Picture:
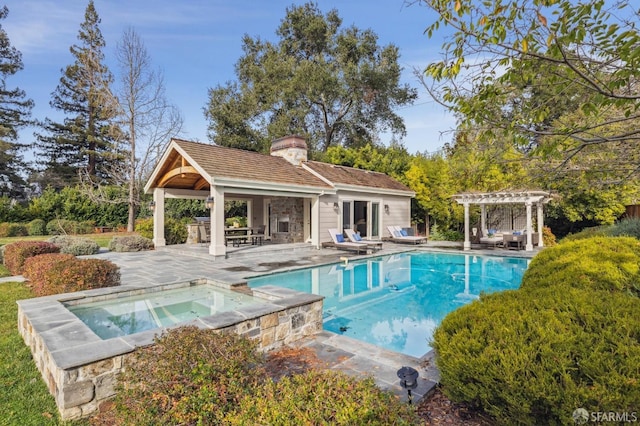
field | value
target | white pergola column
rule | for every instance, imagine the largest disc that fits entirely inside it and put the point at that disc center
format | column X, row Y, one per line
column 158, row 218
column 217, row 246
column 540, row 224
column 529, row 246
column 315, row 221
column 467, row 243
column 483, row 219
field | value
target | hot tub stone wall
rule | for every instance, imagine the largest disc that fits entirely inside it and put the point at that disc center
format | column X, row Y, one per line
column 81, row 373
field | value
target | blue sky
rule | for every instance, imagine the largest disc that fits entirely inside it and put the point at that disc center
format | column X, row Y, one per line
column 197, row 42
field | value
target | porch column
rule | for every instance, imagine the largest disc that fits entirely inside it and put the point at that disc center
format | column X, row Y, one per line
column 467, row 243
column 158, row 218
column 540, row 224
column 315, row 221
column 217, row 247
column 529, row 246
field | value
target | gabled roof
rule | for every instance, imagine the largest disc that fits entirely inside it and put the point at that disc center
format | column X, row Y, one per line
column 350, row 176
column 195, row 165
column 219, row 161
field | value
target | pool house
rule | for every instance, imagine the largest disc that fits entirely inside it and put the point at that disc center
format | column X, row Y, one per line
column 289, row 198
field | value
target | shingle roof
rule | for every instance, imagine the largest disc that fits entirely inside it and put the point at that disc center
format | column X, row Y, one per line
column 219, row 161
column 351, row 176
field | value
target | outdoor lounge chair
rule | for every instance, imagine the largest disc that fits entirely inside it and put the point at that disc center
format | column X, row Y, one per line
column 398, row 236
column 354, row 237
column 340, row 243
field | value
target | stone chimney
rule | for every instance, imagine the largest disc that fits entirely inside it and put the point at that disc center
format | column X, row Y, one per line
column 292, row 148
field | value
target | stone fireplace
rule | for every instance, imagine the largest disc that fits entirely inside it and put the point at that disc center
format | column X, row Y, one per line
column 287, row 220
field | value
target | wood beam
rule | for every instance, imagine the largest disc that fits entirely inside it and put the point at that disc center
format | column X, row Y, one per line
column 187, row 170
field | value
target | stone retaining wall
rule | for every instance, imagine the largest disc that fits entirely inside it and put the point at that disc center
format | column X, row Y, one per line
column 81, row 369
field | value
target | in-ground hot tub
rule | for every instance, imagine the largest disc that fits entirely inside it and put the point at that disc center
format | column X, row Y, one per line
column 134, row 314
column 80, row 365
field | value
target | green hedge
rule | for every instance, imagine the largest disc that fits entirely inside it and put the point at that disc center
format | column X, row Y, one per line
column 532, row 357
column 13, row 230
column 37, row 227
column 599, row 263
column 175, row 231
column 569, row 338
column 64, row 227
column 321, row 398
column 629, row 227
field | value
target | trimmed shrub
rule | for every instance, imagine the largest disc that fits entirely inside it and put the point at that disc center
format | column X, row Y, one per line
column 65, row 226
column 599, row 263
column 191, row 376
column 37, row 227
column 144, row 227
column 65, row 274
column 130, row 243
column 17, row 230
column 596, row 231
column 36, row 269
column 629, row 227
column 532, row 357
column 75, row 245
column 13, row 230
column 175, row 231
column 321, row 397
column 16, row 253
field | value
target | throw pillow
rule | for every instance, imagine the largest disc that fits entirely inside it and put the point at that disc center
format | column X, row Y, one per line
column 339, row 238
column 403, row 233
column 357, row 237
column 397, row 234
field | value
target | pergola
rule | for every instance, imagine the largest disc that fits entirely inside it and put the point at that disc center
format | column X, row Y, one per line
column 528, row 198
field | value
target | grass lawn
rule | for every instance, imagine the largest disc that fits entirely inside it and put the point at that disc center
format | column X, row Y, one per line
column 25, row 398
column 102, row 239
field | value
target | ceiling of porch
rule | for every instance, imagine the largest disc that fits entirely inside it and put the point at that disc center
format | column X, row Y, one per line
column 176, row 172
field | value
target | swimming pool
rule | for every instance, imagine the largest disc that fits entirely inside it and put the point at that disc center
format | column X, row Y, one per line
column 396, row 301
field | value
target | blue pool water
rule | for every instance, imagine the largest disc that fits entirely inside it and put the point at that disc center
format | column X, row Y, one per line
column 396, row 301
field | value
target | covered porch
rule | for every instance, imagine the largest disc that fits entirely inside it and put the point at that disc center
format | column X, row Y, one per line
column 528, row 199
column 280, row 201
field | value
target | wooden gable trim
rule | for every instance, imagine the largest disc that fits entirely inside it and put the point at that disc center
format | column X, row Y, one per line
column 178, row 172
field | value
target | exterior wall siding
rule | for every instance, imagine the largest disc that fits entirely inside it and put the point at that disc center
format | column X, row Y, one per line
column 399, row 211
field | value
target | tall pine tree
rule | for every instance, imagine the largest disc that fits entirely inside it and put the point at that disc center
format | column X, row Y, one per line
column 84, row 142
column 15, row 111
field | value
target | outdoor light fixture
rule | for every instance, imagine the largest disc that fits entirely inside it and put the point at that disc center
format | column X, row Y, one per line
column 152, row 206
column 209, row 202
column 386, row 208
column 336, row 206
column 408, row 379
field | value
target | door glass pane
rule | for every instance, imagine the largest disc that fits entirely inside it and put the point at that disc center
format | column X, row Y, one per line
column 346, row 215
column 375, row 219
column 360, row 217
